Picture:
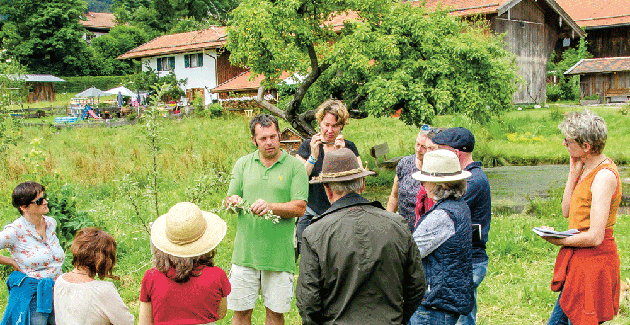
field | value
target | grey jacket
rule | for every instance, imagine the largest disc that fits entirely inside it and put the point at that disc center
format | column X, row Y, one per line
column 359, row 265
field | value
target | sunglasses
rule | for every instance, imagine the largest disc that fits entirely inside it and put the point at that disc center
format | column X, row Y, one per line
column 40, row 201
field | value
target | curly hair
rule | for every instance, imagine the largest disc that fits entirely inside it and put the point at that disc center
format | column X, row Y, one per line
column 185, row 267
column 94, row 250
column 585, row 127
column 334, row 107
column 25, row 193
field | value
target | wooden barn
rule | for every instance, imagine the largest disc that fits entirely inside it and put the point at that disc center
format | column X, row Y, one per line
column 532, row 28
column 609, row 78
column 607, row 25
column 41, row 87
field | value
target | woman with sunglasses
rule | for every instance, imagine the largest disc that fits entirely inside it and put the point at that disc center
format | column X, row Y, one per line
column 36, row 257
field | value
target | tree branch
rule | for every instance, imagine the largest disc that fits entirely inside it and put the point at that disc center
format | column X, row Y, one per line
column 260, row 99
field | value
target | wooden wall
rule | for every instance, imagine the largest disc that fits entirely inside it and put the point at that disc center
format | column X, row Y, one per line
column 225, row 70
column 531, row 36
column 40, row 91
column 609, row 42
column 603, row 83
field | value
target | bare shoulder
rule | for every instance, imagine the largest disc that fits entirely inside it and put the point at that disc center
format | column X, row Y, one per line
column 605, row 178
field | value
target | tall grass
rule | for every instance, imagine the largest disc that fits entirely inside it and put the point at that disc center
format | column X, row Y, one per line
column 193, row 151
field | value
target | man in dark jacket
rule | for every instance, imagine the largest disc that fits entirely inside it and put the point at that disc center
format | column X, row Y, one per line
column 359, row 263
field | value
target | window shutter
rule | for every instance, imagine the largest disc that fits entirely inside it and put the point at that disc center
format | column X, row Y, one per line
column 171, row 62
column 200, row 60
column 159, row 64
column 186, row 61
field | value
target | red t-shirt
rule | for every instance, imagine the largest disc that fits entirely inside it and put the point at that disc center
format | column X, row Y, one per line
column 193, row 302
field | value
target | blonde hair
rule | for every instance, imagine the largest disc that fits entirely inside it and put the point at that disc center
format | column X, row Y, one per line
column 334, row 107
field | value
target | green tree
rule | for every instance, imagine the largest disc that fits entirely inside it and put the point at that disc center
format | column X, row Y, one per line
column 386, row 56
column 568, row 86
column 46, row 36
column 118, row 41
column 12, row 93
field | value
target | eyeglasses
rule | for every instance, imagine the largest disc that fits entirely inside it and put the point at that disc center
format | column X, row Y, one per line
column 40, row 201
column 568, row 141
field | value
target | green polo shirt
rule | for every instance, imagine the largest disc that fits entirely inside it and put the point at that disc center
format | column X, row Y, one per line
column 259, row 243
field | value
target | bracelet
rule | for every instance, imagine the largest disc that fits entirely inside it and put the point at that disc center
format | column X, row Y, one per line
column 311, row 160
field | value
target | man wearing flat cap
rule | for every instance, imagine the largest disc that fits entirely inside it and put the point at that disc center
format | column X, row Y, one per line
column 359, row 262
column 461, row 141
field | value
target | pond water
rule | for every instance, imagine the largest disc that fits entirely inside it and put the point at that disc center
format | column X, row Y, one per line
column 512, row 185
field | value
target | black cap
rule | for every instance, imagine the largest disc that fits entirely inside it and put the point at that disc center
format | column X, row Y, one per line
column 458, row 138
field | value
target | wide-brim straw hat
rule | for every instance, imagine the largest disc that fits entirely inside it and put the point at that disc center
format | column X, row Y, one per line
column 440, row 166
column 187, row 231
column 340, row 165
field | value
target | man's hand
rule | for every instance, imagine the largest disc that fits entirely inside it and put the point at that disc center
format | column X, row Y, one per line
column 232, row 200
column 260, row 207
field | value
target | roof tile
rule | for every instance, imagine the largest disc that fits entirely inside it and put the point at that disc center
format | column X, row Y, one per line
column 242, row 82
column 213, row 37
column 99, row 20
column 600, row 65
column 597, row 13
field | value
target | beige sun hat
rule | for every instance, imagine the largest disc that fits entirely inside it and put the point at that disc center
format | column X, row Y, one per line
column 187, row 231
column 440, row 166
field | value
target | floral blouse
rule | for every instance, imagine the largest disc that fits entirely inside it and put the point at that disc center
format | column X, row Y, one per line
column 37, row 258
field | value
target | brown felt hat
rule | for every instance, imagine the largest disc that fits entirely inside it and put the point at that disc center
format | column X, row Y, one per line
column 340, row 165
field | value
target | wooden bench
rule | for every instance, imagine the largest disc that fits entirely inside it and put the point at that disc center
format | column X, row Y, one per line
column 616, row 95
column 382, row 150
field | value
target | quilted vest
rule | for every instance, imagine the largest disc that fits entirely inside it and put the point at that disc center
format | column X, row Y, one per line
column 448, row 269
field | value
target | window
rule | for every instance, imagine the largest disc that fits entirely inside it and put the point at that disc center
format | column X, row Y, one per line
column 166, row 64
column 193, row 60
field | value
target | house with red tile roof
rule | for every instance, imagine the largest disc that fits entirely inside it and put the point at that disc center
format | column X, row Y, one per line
column 197, row 56
column 607, row 25
column 608, row 78
column 531, row 28
column 97, row 24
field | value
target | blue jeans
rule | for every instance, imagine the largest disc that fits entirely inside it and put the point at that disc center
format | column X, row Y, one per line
column 38, row 318
column 558, row 317
column 479, row 273
column 429, row 316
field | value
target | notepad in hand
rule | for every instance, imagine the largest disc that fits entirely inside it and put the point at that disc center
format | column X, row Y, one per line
column 556, row 234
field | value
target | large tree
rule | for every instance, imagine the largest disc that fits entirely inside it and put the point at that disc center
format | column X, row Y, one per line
column 118, row 41
column 46, row 36
column 386, row 56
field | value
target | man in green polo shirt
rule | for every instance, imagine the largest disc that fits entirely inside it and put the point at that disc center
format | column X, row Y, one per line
column 263, row 259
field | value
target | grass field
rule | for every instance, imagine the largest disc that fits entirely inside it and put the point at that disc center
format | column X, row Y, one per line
column 195, row 152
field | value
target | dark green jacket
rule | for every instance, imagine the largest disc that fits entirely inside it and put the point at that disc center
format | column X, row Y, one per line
column 359, row 265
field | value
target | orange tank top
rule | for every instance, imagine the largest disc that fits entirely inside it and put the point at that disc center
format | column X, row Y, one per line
column 580, row 205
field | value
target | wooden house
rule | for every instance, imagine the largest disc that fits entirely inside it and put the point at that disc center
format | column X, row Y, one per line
column 531, row 28
column 606, row 23
column 290, row 140
column 609, row 78
column 41, row 87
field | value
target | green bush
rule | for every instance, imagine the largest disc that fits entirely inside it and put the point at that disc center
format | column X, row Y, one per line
column 592, row 97
column 79, row 84
column 553, row 93
column 215, row 109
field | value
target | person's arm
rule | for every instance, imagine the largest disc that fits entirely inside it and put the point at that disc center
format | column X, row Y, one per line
column 307, row 294
column 309, row 148
column 414, row 285
column 392, row 203
column 287, row 210
column 235, row 189
column 222, row 308
column 145, row 315
column 114, row 307
column 8, row 237
column 575, row 167
column 433, row 231
column 10, row 262
column 603, row 188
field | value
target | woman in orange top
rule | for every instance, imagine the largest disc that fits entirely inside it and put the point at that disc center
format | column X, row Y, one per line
column 587, row 267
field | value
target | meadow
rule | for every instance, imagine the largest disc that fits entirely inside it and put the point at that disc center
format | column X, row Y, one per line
column 105, row 174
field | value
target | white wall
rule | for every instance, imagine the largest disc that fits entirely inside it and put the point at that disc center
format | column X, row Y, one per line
column 199, row 77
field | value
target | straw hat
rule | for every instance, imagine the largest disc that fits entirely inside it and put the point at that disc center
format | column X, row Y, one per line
column 187, row 231
column 440, row 166
column 340, row 165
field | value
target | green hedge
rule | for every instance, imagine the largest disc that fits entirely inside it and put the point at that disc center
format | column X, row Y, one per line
column 79, row 84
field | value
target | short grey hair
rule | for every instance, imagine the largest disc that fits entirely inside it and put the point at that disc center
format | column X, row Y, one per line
column 455, row 189
column 345, row 187
column 585, row 127
column 265, row 120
